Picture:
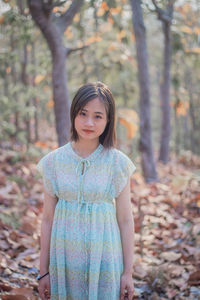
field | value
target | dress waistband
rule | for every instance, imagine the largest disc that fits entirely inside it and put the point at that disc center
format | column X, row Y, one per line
column 88, row 202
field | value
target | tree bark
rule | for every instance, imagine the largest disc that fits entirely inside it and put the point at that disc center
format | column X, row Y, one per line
column 34, row 99
column 177, row 132
column 41, row 14
column 165, row 96
column 165, row 16
column 145, row 143
column 82, row 54
column 194, row 125
column 14, row 80
column 24, row 79
column 97, row 65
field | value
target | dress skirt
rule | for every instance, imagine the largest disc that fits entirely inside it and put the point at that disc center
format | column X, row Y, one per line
column 86, row 260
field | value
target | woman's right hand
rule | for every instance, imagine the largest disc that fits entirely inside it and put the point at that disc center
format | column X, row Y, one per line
column 44, row 287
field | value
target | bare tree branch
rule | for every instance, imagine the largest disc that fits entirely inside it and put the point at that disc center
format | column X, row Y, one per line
column 66, row 19
column 41, row 17
column 47, row 7
column 70, row 50
column 20, row 6
column 148, row 7
column 171, row 8
column 59, row 3
column 158, row 9
column 171, row 2
column 164, row 15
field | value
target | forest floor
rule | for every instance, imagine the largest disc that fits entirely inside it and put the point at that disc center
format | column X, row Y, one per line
column 167, row 228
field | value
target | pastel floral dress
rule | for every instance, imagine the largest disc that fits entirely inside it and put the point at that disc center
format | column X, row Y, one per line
column 86, row 259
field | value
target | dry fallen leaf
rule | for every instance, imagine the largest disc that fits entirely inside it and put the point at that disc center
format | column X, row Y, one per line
column 171, row 256
column 194, row 278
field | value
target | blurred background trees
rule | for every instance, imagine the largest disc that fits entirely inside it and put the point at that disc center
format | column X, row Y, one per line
column 145, row 143
column 100, row 44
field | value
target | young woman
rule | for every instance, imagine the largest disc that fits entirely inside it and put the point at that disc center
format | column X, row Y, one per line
column 87, row 233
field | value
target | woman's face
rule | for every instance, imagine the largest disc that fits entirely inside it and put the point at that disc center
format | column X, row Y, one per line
column 91, row 120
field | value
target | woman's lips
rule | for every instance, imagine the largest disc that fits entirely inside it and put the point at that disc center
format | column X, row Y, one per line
column 87, row 131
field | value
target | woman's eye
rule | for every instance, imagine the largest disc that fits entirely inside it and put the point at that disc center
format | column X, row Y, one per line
column 82, row 113
column 98, row 117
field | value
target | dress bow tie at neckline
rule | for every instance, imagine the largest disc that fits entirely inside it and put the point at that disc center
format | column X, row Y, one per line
column 82, row 166
column 81, row 170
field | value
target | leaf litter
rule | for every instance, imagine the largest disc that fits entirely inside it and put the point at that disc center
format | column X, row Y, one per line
column 167, row 229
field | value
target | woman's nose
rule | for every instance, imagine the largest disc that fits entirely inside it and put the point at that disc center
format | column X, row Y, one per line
column 89, row 121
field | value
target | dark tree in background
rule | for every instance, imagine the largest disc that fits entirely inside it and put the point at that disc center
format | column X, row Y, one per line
column 165, row 16
column 145, row 144
column 53, row 29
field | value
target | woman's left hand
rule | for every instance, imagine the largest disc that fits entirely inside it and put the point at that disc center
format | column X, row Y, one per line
column 126, row 283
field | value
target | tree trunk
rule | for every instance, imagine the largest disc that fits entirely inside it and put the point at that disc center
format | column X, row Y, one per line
column 61, row 95
column 165, row 96
column 41, row 13
column 24, row 79
column 82, row 54
column 124, row 89
column 186, row 134
column 14, row 80
column 97, row 65
column 165, row 16
column 34, row 99
column 194, row 139
column 177, row 133
column 145, row 144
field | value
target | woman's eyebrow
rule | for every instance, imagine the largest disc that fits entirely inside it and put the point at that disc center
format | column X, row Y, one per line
column 96, row 112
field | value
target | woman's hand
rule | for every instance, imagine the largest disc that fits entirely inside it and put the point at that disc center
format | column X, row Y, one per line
column 126, row 283
column 44, row 287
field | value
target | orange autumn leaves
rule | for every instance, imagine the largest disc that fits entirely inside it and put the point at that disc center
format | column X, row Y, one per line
column 128, row 118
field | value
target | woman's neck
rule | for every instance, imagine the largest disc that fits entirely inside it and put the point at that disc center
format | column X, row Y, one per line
column 84, row 148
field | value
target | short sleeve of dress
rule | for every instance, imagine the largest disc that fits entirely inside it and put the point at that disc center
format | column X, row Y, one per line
column 46, row 167
column 123, row 169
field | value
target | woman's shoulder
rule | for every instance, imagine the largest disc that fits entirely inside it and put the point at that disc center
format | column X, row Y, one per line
column 55, row 153
column 123, row 162
column 117, row 153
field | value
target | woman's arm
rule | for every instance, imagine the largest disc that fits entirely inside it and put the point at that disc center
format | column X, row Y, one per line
column 126, row 226
column 47, row 220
